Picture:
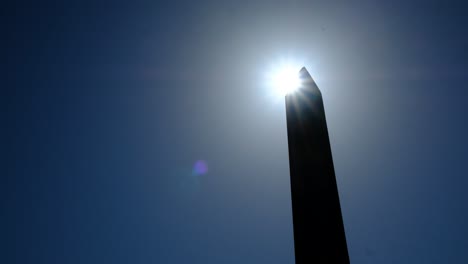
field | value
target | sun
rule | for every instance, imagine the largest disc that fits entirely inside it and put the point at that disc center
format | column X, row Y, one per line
column 284, row 79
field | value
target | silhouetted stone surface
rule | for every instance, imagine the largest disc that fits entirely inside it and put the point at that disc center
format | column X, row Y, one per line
column 319, row 235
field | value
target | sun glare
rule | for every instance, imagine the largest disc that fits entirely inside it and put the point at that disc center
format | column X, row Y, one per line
column 284, row 80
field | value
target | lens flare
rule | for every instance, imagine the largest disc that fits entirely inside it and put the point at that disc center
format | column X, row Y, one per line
column 200, row 168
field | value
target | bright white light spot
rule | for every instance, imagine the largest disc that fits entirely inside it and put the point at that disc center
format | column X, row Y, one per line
column 284, row 80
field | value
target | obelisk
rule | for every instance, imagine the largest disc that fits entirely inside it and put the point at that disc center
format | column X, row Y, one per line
column 319, row 235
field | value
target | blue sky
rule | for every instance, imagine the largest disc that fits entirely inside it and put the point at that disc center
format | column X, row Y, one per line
column 109, row 106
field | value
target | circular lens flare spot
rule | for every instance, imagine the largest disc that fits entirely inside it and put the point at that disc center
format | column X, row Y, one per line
column 200, row 167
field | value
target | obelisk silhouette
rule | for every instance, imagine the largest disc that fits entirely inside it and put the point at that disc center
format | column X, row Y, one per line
column 319, row 235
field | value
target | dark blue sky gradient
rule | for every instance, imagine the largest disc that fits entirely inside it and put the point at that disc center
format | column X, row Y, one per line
column 108, row 105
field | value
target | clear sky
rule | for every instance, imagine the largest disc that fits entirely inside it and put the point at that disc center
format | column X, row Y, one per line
column 144, row 132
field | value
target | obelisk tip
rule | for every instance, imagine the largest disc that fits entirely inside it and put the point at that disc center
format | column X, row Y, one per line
column 307, row 80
